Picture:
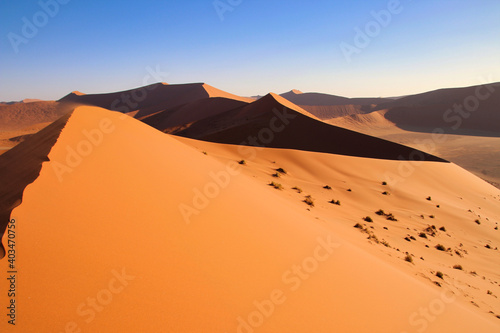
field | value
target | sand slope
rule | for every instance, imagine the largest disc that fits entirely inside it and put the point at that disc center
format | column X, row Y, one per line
column 250, row 259
column 151, row 99
column 275, row 122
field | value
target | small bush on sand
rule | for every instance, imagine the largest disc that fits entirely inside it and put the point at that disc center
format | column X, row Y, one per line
column 440, row 247
column 368, row 219
column 309, row 200
column 276, row 185
column 439, row 274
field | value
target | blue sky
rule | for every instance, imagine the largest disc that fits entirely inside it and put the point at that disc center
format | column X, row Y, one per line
column 258, row 47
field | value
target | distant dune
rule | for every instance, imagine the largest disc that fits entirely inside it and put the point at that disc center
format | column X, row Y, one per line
column 151, row 99
column 19, row 115
column 127, row 229
column 294, row 128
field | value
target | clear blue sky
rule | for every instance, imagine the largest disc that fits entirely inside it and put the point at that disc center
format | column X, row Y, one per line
column 260, row 46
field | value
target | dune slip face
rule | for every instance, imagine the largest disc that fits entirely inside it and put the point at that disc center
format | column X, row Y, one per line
column 20, row 167
column 110, row 249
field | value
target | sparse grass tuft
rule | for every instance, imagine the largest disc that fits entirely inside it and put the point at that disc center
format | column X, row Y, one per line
column 335, row 202
column 281, row 170
column 276, row 185
column 440, row 247
column 298, row 189
column 391, row 217
column 276, row 175
column 309, row 200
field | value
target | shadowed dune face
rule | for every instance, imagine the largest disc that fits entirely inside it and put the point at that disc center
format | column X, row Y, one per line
column 150, row 99
column 274, row 122
column 191, row 112
column 471, row 110
column 318, row 99
column 112, row 231
column 20, row 167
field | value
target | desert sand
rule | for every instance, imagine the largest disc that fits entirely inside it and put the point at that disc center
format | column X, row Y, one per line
column 124, row 227
column 125, row 242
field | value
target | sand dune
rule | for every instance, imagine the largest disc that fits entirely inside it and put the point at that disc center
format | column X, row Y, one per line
column 20, row 166
column 319, row 99
column 151, row 99
column 178, row 117
column 113, row 248
column 275, row 122
column 469, row 110
column 19, row 115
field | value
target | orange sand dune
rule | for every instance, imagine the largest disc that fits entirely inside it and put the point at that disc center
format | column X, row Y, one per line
column 275, row 122
column 318, row 99
column 116, row 249
column 19, row 115
column 326, row 112
column 459, row 110
column 152, row 98
column 21, row 165
column 191, row 112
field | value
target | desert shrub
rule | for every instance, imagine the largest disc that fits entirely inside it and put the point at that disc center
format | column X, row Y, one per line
column 359, row 226
column 205, row 153
column 409, row 258
column 429, row 198
column 327, row 187
column 477, row 221
column 276, row 175
column 442, row 229
column 368, row 219
column 380, row 212
column 391, row 217
column 422, row 234
column 309, row 200
column 384, row 183
column 298, row 189
column 440, row 247
column 459, row 267
column 242, row 162
column 276, row 185
column 335, row 202
column 439, row 274
column 385, row 193
column 281, row 170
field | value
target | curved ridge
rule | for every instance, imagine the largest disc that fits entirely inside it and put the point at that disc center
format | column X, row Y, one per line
column 21, row 166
